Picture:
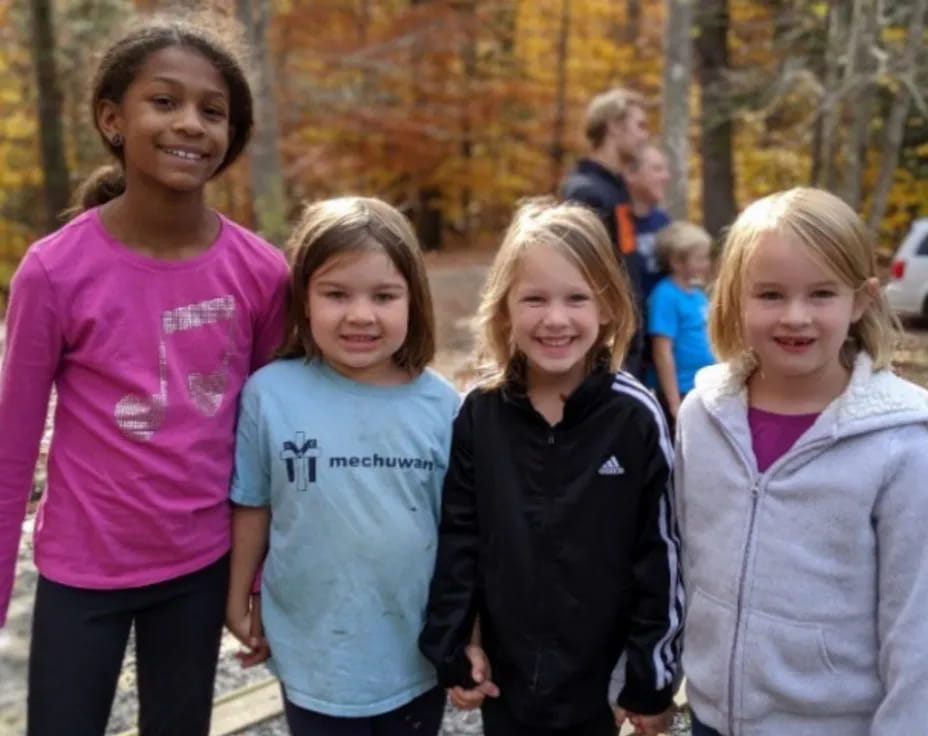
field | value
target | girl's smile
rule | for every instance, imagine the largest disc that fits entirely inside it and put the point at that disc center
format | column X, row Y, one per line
column 174, row 119
column 797, row 315
column 554, row 314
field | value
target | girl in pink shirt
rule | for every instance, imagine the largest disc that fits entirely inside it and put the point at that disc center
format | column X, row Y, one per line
column 146, row 312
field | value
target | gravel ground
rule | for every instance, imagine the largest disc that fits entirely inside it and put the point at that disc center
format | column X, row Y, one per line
column 14, row 639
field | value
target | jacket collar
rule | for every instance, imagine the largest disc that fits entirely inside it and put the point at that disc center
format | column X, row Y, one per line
column 872, row 400
column 589, row 167
column 579, row 404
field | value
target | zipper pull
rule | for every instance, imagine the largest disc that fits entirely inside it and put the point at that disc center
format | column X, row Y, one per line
column 550, row 438
column 755, row 490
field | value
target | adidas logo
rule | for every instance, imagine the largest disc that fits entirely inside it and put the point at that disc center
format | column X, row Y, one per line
column 611, row 467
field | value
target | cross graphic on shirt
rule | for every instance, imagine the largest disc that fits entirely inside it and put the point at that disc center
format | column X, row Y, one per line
column 300, row 456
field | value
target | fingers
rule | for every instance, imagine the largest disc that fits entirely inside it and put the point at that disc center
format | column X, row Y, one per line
column 480, row 671
column 253, row 656
column 470, row 698
column 465, row 699
column 489, row 689
column 479, row 664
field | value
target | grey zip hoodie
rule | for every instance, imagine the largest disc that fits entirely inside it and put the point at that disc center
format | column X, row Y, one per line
column 807, row 584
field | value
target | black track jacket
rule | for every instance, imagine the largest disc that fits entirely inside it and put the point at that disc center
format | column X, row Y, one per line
column 563, row 539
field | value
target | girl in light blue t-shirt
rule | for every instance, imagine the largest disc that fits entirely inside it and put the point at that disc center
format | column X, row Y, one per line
column 341, row 449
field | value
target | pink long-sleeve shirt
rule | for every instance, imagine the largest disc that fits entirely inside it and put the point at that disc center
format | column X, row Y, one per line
column 148, row 358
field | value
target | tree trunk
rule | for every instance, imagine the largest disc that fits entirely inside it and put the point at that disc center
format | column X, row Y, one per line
column 718, row 174
column 468, row 11
column 895, row 123
column 560, row 103
column 266, row 176
column 675, row 108
column 54, row 166
column 830, row 110
column 427, row 216
column 861, row 87
column 633, row 21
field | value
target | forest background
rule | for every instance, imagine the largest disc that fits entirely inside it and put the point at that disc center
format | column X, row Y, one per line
column 455, row 109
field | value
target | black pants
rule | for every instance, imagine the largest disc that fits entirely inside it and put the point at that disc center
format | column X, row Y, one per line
column 700, row 729
column 419, row 717
column 79, row 638
column 499, row 721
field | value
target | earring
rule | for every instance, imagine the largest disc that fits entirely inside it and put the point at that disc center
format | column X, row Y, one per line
column 117, row 140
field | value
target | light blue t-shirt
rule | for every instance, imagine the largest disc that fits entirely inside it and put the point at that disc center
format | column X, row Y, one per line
column 352, row 473
column 681, row 314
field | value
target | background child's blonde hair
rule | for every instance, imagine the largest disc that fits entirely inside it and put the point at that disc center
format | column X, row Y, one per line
column 835, row 236
column 677, row 239
column 577, row 234
column 358, row 225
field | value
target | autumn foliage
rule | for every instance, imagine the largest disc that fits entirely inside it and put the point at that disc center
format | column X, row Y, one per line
column 451, row 109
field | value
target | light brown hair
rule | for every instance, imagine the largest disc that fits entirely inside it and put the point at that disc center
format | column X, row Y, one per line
column 835, row 236
column 358, row 225
column 577, row 234
column 611, row 105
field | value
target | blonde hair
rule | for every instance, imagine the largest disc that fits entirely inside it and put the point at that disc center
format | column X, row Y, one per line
column 835, row 236
column 358, row 225
column 611, row 105
column 677, row 239
column 577, row 234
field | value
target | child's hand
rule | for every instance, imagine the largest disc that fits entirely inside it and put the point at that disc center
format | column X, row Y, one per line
column 468, row 699
column 652, row 725
column 620, row 716
column 245, row 625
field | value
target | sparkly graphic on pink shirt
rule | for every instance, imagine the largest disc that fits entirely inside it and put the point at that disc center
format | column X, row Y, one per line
column 139, row 417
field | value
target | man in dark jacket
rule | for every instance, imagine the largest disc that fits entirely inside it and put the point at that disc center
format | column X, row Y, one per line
column 616, row 127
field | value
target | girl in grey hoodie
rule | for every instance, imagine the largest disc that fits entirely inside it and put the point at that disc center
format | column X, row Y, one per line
column 802, row 491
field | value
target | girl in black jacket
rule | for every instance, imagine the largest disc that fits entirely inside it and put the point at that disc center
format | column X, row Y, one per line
column 557, row 528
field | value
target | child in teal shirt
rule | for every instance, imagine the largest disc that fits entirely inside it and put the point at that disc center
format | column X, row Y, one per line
column 677, row 312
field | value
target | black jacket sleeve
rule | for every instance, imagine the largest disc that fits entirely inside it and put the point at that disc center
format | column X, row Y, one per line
column 453, row 600
column 653, row 646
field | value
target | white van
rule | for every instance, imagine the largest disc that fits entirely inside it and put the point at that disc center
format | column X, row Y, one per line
column 907, row 290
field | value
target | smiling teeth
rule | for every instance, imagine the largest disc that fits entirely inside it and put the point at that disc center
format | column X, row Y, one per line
column 554, row 342
column 184, row 154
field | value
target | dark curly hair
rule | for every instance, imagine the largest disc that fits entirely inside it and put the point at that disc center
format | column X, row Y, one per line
column 214, row 38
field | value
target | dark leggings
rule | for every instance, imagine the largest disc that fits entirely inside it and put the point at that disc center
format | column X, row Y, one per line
column 700, row 729
column 419, row 717
column 79, row 639
column 499, row 721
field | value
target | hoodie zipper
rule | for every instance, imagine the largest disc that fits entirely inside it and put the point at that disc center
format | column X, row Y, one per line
column 756, row 487
column 755, row 494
